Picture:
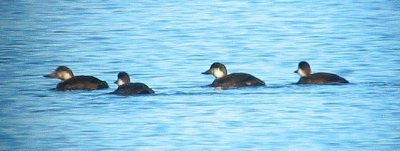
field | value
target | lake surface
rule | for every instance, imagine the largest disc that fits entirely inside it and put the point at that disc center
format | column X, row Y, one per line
column 167, row 44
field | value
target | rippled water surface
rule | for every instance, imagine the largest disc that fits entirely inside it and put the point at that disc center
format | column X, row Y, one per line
column 167, row 44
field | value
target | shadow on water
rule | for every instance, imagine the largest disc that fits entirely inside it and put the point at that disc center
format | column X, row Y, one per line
column 207, row 90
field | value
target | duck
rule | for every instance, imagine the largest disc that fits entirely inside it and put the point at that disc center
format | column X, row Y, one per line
column 307, row 77
column 125, row 87
column 71, row 82
column 225, row 80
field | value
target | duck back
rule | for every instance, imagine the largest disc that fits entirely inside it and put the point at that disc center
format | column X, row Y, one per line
column 133, row 88
column 237, row 80
column 82, row 83
column 322, row 78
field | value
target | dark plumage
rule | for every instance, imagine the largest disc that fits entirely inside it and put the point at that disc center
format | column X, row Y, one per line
column 125, row 87
column 304, row 70
column 71, row 82
column 222, row 79
column 133, row 88
column 237, row 80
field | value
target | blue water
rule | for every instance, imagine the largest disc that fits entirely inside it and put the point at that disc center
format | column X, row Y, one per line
column 167, row 44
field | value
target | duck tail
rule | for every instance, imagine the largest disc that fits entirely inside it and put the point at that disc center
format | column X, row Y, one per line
column 103, row 85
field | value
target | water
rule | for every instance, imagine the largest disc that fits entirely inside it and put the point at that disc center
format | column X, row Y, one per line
column 167, row 44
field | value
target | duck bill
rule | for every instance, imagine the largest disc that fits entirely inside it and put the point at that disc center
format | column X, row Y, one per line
column 296, row 71
column 116, row 82
column 52, row 75
column 206, row 72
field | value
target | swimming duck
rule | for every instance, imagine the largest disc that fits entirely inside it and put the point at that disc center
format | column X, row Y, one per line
column 71, row 82
column 125, row 87
column 223, row 80
column 304, row 71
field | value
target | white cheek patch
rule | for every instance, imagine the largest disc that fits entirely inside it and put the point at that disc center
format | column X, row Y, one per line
column 218, row 73
column 65, row 75
column 120, row 82
column 301, row 73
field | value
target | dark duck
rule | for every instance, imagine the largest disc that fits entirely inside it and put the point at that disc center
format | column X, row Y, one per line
column 71, row 82
column 225, row 80
column 307, row 77
column 125, row 87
